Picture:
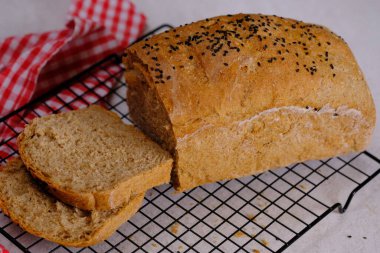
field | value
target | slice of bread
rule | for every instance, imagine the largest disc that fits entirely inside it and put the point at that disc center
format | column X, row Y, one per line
column 90, row 159
column 24, row 201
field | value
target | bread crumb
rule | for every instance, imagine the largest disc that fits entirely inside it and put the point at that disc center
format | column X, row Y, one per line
column 174, row 228
column 180, row 247
column 255, row 251
column 154, row 245
column 264, row 242
column 251, row 217
column 303, row 187
column 239, row 234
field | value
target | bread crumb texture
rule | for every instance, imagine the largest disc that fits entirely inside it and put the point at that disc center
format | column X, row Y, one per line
column 34, row 210
column 91, row 159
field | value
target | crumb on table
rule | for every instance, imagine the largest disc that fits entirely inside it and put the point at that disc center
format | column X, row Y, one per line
column 302, row 186
column 251, row 217
column 239, row 234
column 174, row 228
column 264, row 242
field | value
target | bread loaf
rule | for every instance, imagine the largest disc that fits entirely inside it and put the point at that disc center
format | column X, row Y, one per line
column 90, row 159
column 23, row 200
column 236, row 95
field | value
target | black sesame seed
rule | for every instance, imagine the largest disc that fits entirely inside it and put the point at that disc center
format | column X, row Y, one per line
column 328, row 43
column 191, row 57
column 297, row 70
column 334, row 75
column 173, row 67
column 225, row 64
column 331, row 66
column 168, row 77
column 349, row 236
column 258, row 64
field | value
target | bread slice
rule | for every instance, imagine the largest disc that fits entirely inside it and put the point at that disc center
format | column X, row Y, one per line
column 24, row 201
column 90, row 159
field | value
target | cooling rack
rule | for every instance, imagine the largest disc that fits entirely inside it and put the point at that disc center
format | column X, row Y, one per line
column 260, row 213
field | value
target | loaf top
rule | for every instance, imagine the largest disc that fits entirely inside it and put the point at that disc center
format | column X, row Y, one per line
column 40, row 214
column 88, row 151
column 230, row 68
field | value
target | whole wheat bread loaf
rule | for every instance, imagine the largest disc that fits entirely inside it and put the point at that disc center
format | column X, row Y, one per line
column 26, row 203
column 90, row 159
column 236, row 95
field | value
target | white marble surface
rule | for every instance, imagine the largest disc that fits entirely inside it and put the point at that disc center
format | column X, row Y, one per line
column 357, row 21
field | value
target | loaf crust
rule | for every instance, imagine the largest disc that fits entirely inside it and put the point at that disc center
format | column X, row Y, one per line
column 202, row 80
column 112, row 194
column 92, row 233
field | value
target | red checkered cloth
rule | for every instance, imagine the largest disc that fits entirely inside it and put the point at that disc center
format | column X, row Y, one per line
column 34, row 63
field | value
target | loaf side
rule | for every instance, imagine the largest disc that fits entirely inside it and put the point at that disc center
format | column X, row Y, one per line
column 206, row 76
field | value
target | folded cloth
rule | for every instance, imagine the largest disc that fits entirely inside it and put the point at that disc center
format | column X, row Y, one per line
column 34, row 63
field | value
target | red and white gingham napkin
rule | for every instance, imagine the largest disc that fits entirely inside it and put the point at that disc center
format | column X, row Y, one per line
column 32, row 64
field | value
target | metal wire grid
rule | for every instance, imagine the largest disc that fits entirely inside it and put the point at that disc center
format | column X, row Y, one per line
column 266, row 212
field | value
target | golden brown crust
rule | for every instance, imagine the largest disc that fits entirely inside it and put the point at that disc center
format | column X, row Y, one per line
column 102, row 199
column 231, row 68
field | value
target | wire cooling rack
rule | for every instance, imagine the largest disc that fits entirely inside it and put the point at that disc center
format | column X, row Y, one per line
column 260, row 213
